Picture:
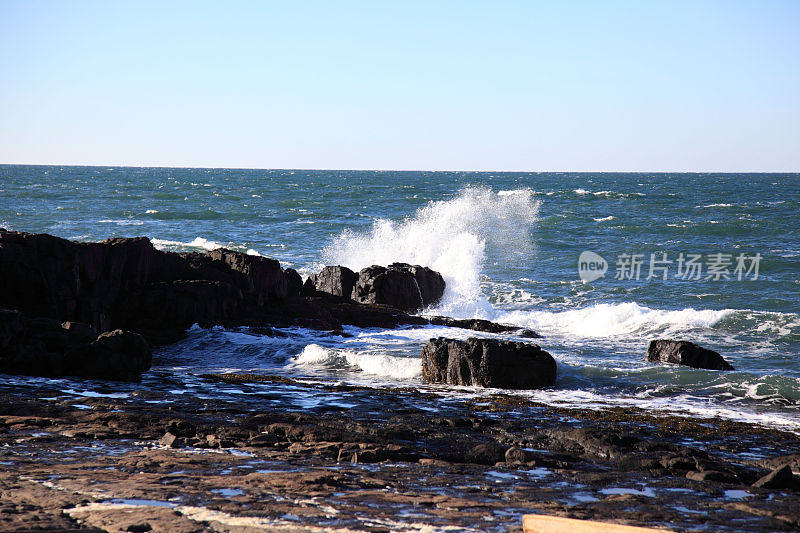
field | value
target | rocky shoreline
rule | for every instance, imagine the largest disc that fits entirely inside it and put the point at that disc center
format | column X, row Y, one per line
column 259, row 452
column 139, row 464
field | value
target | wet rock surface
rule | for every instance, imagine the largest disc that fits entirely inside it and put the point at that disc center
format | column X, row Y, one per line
column 487, row 363
column 685, row 353
column 269, row 459
column 407, row 287
column 336, row 280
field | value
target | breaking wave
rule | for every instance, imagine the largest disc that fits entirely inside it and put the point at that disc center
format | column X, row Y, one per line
column 454, row 237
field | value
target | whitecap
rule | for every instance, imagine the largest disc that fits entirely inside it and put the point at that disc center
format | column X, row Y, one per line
column 374, row 362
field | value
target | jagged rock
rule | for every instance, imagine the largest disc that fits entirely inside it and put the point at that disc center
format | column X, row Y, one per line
column 264, row 276
column 127, row 284
column 780, row 478
column 431, row 284
column 685, row 353
column 487, row 363
column 336, row 280
column 294, row 282
column 406, row 287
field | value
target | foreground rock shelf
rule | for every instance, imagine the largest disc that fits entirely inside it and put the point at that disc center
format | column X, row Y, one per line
column 262, row 462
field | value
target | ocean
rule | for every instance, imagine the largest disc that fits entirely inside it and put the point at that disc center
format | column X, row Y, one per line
column 710, row 258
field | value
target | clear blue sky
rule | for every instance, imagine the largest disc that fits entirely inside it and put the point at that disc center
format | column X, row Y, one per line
column 639, row 85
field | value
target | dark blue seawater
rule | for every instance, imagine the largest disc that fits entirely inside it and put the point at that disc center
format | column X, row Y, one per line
column 508, row 245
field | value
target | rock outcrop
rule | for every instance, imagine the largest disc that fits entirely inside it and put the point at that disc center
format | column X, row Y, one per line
column 487, row 363
column 336, row 280
column 685, row 353
column 127, row 284
column 407, row 287
column 48, row 348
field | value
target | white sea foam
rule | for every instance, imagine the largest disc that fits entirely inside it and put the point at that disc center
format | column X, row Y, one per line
column 453, row 237
column 608, row 320
column 199, row 243
column 370, row 362
column 604, row 219
column 714, row 205
column 121, row 222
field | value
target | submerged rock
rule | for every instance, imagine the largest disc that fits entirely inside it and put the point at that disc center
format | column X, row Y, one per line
column 406, row 287
column 479, row 324
column 487, row 363
column 685, row 353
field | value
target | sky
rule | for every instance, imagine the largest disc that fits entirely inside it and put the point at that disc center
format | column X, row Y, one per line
column 433, row 85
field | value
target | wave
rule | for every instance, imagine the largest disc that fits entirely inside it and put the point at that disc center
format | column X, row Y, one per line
column 199, row 243
column 379, row 364
column 121, row 222
column 608, row 320
column 454, row 237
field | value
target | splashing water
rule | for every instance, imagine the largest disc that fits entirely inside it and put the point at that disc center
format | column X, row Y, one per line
column 453, row 237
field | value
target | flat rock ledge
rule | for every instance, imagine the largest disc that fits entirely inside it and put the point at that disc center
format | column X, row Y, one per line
column 488, row 363
column 685, row 353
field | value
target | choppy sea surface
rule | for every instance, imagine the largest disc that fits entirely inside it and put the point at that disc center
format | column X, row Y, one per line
column 507, row 245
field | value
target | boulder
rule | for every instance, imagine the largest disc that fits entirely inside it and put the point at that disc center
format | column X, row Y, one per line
column 44, row 347
column 487, row 363
column 405, row 287
column 115, row 355
column 780, row 478
column 685, row 353
column 431, row 284
column 264, row 276
column 336, row 280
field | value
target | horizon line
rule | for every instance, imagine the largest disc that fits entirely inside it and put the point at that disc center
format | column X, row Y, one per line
column 321, row 169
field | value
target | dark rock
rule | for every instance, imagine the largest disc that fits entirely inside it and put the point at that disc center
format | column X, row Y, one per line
column 79, row 332
column 712, row 475
column 780, row 478
column 685, row 353
column 45, row 347
column 263, row 275
column 528, row 334
column 406, row 287
column 516, row 454
column 478, row 324
column 294, row 283
column 114, row 355
column 595, row 442
column 487, row 363
column 336, row 280
column 679, row 463
column 489, row 453
column 431, row 284
column 381, row 285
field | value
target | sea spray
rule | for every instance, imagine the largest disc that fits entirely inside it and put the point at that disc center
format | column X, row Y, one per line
column 454, row 237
